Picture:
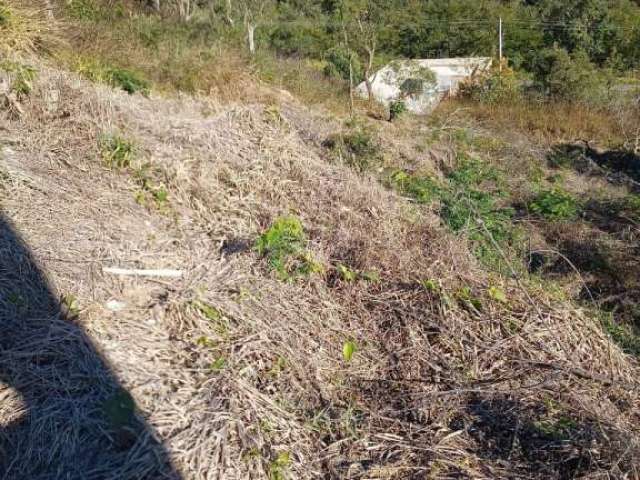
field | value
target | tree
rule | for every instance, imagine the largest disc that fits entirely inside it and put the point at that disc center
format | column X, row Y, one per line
column 253, row 13
column 362, row 24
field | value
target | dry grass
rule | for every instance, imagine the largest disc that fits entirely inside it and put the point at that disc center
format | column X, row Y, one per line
column 438, row 387
column 550, row 123
column 24, row 28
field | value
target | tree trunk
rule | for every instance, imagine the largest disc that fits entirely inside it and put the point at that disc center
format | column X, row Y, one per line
column 227, row 13
column 350, row 85
column 367, row 74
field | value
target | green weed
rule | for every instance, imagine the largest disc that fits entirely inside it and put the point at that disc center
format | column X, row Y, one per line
column 466, row 297
column 346, row 274
column 284, row 246
column 626, row 336
column 470, row 204
column 117, row 151
column 348, row 349
column 554, row 205
column 128, row 80
column 423, row 189
column 22, row 77
column 279, row 466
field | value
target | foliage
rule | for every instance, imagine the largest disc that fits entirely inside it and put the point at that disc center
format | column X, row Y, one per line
column 348, row 349
column 571, row 77
column 554, row 205
column 283, row 244
column 494, row 86
column 117, row 151
column 397, row 109
column 338, row 64
column 279, row 466
column 125, row 79
column 627, row 336
column 423, row 189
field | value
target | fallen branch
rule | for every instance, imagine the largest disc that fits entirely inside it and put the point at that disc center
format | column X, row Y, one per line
column 167, row 273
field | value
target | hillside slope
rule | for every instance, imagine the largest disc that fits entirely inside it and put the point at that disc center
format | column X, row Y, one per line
column 393, row 358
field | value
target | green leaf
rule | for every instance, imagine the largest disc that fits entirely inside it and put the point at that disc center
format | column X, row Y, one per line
column 218, row 364
column 348, row 350
column 498, row 295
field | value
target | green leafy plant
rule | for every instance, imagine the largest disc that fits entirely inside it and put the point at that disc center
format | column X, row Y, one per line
column 125, row 79
column 430, row 285
column 284, row 246
column 348, row 349
column 279, row 466
column 423, row 189
column 466, row 297
column 497, row 294
column 346, row 274
column 397, row 109
column 218, row 364
column 554, row 205
column 117, row 151
column 128, row 80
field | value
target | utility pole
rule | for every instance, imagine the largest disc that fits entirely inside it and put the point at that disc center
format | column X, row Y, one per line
column 500, row 44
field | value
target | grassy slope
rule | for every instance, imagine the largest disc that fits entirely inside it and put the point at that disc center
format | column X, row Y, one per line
column 458, row 370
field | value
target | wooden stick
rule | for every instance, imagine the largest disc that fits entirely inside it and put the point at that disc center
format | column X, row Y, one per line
column 167, row 273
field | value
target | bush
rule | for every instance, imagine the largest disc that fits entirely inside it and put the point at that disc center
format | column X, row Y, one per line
column 554, row 205
column 397, row 109
column 572, row 78
column 494, row 86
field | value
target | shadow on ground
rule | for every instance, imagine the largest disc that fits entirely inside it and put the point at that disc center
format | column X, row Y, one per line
column 63, row 412
column 619, row 166
column 538, row 440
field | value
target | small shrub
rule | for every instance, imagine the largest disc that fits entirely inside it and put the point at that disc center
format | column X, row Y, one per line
column 632, row 202
column 283, row 244
column 128, row 80
column 22, row 77
column 554, row 205
column 83, row 10
column 117, row 151
column 397, row 109
column 492, row 87
column 470, row 203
